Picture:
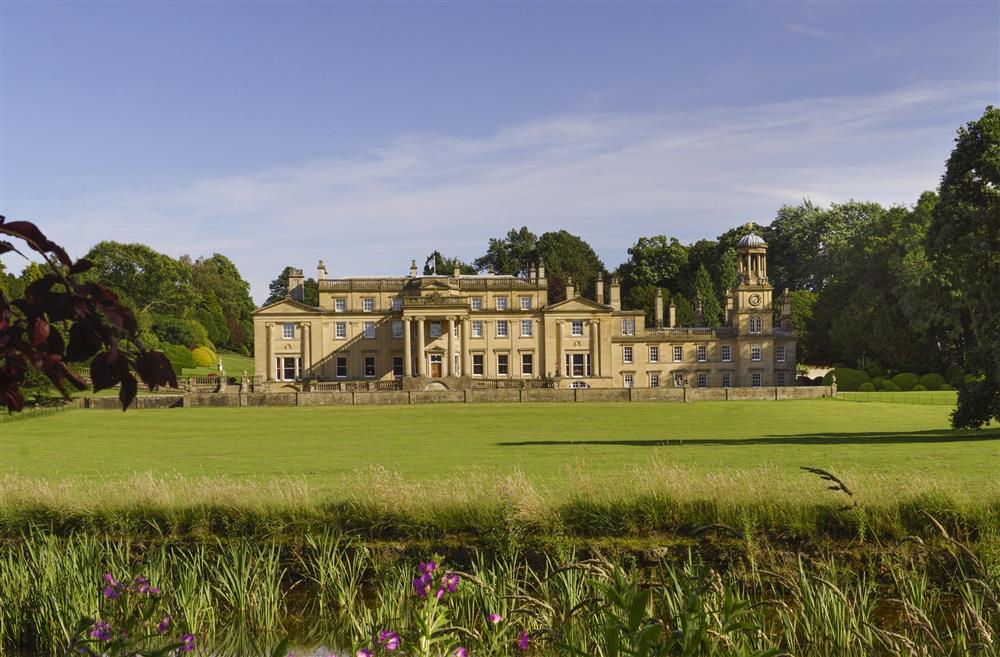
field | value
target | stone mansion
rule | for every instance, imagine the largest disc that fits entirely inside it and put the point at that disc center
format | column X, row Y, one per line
column 460, row 331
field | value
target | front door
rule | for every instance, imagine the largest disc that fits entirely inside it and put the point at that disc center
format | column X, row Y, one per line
column 435, row 366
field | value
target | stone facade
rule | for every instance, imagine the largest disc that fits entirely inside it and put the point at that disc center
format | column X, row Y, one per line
column 491, row 332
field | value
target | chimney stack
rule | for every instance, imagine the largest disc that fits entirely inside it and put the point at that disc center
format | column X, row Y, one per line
column 673, row 314
column 413, row 268
column 457, row 270
column 541, row 269
column 599, row 294
column 659, row 307
column 532, row 272
column 570, row 288
column 296, row 284
column 729, row 308
column 320, row 272
column 616, row 293
column 697, row 308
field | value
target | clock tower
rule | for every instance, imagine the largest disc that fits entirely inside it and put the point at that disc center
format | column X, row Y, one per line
column 752, row 296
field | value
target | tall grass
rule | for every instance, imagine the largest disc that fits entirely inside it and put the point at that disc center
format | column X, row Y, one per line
column 930, row 594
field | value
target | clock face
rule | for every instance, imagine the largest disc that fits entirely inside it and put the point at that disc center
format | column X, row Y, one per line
column 755, row 299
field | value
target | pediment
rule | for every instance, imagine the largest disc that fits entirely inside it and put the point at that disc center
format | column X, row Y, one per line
column 434, row 284
column 286, row 306
column 578, row 304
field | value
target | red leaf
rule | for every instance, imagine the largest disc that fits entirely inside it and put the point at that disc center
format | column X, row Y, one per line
column 128, row 391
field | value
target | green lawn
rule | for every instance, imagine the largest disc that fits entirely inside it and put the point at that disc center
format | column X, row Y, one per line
column 557, row 448
column 234, row 365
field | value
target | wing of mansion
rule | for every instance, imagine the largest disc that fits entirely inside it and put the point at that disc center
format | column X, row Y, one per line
column 460, row 331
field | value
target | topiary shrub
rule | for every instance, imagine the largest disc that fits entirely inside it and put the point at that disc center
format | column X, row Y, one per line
column 919, row 388
column 890, row 387
column 932, row 381
column 179, row 357
column 867, row 386
column 848, row 379
column 906, row 380
column 204, row 357
column 946, row 386
column 879, row 382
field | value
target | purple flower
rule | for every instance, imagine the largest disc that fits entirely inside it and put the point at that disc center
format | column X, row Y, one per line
column 364, row 652
column 422, row 586
column 523, row 640
column 388, row 640
column 428, row 567
column 101, row 631
column 154, row 591
column 164, row 625
column 140, row 585
column 494, row 618
column 450, row 582
column 187, row 643
column 461, row 652
column 439, row 594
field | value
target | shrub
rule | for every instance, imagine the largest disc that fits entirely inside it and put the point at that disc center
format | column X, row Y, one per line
column 906, row 380
column 879, row 382
column 174, row 330
column 919, row 388
column 179, row 357
column 946, row 386
column 848, row 379
column 890, row 387
column 204, row 357
column 867, row 386
column 932, row 381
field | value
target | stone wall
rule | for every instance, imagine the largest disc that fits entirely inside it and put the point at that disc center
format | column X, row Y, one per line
column 472, row 396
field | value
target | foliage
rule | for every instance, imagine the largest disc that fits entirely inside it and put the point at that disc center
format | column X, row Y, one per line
column 932, row 381
column 906, row 380
column 513, row 254
column 848, row 379
column 143, row 278
column 204, row 357
column 946, row 386
column 683, row 310
column 867, row 386
column 954, row 375
column 919, row 388
column 566, row 255
column 278, row 289
column 212, row 317
column 100, row 329
column 643, row 297
column 179, row 356
column 174, row 330
column 964, row 240
column 443, row 266
column 218, row 276
column 711, row 309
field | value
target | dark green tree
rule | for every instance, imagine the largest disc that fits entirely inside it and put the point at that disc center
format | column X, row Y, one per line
column 146, row 280
column 513, row 254
column 683, row 310
column 278, row 289
column 567, row 255
column 436, row 262
column 725, row 271
column 218, row 275
column 964, row 240
column 711, row 309
column 643, row 297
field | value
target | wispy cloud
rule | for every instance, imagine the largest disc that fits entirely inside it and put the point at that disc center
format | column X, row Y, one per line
column 609, row 178
column 805, row 30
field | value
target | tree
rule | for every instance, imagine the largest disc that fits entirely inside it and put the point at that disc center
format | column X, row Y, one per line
column 566, row 255
column 711, row 309
column 964, row 240
column 643, row 297
column 101, row 330
column 513, row 254
column 212, row 317
column 436, row 262
column 278, row 289
column 802, row 303
column 655, row 261
column 683, row 310
column 145, row 279
column 219, row 276
column 725, row 271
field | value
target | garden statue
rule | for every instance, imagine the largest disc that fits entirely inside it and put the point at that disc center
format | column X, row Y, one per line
column 220, row 366
column 245, row 383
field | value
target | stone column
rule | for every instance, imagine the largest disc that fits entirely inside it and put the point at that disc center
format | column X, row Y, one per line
column 595, row 347
column 421, row 357
column 559, row 348
column 407, row 350
column 466, row 365
column 306, row 350
column 448, row 371
column 269, row 369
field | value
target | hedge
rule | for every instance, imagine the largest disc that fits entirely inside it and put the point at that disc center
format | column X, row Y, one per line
column 890, row 387
column 179, row 357
column 919, row 388
column 932, row 381
column 848, row 379
column 906, row 380
column 204, row 357
column 867, row 386
column 946, row 386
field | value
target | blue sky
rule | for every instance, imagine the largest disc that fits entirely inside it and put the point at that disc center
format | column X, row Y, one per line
column 368, row 134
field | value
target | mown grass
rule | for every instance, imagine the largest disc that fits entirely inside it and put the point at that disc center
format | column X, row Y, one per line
column 498, row 473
